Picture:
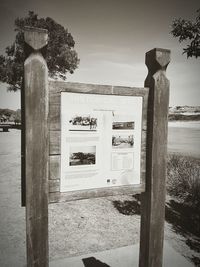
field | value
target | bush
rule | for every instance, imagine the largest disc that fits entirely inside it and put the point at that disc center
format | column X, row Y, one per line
column 183, row 179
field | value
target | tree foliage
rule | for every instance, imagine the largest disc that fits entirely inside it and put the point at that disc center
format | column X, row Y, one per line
column 61, row 56
column 189, row 31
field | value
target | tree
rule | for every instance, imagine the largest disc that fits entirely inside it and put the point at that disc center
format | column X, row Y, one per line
column 60, row 55
column 17, row 117
column 186, row 30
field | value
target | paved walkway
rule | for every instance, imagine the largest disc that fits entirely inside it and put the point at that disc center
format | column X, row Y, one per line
column 125, row 256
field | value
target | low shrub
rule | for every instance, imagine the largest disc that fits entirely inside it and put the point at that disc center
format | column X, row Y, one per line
column 183, row 179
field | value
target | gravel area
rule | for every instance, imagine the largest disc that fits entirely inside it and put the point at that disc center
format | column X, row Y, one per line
column 91, row 225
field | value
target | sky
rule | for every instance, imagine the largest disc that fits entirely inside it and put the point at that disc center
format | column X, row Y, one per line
column 111, row 38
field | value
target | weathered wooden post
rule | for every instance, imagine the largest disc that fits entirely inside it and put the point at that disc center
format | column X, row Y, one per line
column 36, row 144
column 153, row 199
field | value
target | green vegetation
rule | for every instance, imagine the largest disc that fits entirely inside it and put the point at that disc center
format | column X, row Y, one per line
column 60, row 54
column 183, row 205
column 183, row 180
column 189, row 31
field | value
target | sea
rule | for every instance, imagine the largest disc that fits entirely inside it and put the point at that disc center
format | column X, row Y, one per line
column 184, row 138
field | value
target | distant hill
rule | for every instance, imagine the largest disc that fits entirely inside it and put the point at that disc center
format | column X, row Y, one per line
column 184, row 113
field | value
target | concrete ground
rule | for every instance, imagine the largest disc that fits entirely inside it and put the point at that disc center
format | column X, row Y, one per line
column 125, row 256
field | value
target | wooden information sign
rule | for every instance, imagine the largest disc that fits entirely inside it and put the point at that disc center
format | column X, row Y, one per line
column 115, row 143
column 83, row 141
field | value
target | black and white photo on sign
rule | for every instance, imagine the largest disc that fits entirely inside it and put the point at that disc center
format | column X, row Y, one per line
column 83, row 122
column 82, row 155
column 122, row 141
column 123, row 122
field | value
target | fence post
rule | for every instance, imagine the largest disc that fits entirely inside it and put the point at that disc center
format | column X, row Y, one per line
column 36, row 147
column 153, row 199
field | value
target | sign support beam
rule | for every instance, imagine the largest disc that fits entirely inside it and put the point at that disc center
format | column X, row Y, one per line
column 37, row 148
column 153, row 199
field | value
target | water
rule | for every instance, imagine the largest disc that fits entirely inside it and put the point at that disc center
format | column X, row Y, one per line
column 183, row 138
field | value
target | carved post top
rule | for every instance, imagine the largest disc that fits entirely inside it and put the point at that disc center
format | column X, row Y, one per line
column 157, row 59
column 37, row 38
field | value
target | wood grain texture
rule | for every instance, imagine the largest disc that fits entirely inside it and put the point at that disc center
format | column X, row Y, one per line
column 36, row 156
column 54, row 167
column 54, row 142
column 23, row 148
column 55, row 89
column 54, row 117
column 153, row 199
column 95, row 193
column 36, row 38
column 54, row 185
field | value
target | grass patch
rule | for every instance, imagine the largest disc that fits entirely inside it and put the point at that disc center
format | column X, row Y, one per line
column 183, row 180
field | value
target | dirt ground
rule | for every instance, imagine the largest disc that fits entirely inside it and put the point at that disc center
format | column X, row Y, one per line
column 91, row 225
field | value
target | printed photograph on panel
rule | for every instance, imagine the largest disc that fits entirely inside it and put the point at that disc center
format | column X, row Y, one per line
column 123, row 122
column 122, row 141
column 82, row 155
column 83, row 122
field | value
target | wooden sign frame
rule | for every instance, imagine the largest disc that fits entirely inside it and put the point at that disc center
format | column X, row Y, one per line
column 55, row 89
column 41, row 149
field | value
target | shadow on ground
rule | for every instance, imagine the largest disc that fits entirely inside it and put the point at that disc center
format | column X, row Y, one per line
column 184, row 219
column 93, row 262
column 128, row 207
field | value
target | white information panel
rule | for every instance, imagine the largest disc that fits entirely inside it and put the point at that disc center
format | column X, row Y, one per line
column 100, row 140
